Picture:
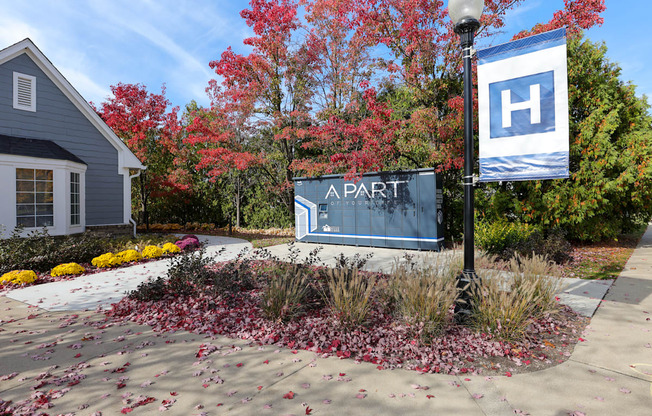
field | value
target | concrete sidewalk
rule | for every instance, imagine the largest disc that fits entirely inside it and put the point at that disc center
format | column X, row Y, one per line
column 117, row 368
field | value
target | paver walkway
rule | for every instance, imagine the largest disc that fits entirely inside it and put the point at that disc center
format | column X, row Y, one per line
column 118, row 368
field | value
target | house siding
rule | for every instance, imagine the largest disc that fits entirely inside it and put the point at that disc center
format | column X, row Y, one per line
column 57, row 119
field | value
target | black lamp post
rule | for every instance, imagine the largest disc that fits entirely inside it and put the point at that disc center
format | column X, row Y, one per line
column 465, row 14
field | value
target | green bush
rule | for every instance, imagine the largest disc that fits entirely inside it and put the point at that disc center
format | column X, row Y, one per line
column 507, row 239
column 499, row 238
column 150, row 291
column 552, row 246
column 263, row 211
column 40, row 251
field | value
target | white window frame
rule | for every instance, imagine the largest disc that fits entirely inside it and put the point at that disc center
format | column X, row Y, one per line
column 72, row 203
column 35, row 204
column 62, row 169
column 32, row 80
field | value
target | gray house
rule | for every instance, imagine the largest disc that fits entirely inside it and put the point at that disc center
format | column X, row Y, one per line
column 61, row 166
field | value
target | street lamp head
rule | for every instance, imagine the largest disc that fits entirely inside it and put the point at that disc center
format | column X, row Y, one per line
column 465, row 14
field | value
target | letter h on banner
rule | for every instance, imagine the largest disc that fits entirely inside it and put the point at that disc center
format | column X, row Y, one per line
column 524, row 105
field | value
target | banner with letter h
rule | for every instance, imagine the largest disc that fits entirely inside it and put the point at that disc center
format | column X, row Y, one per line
column 523, row 109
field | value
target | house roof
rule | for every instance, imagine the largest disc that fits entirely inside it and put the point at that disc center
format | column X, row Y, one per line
column 126, row 159
column 45, row 149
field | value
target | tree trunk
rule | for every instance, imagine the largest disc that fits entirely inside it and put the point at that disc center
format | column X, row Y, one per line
column 237, row 199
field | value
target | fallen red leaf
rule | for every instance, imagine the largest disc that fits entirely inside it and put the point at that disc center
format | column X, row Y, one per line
column 308, row 410
column 289, row 395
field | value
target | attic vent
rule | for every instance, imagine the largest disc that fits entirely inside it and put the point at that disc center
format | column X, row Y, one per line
column 24, row 92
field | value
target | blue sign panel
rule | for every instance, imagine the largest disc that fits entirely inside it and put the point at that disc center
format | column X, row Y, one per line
column 523, row 109
column 385, row 209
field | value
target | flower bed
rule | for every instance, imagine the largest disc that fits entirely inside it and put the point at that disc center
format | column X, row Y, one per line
column 65, row 271
column 384, row 339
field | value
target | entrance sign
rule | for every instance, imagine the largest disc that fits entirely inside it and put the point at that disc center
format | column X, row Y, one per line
column 523, row 109
column 382, row 209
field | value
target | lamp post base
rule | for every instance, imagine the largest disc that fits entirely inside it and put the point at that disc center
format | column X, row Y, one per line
column 463, row 307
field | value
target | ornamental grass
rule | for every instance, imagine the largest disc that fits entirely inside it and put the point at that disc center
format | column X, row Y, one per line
column 505, row 306
column 284, row 297
column 19, row 277
column 348, row 294
column 67, row 269
column 152, row 252
column 425, row 295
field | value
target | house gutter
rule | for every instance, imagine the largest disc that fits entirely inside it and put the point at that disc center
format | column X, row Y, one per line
column 131, row 219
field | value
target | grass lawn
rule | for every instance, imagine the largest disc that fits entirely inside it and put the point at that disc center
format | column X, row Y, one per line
column 602, row 260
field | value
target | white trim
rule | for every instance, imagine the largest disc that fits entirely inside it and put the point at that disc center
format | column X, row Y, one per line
column 31, row 85
column 126, row 159
column 61, row 187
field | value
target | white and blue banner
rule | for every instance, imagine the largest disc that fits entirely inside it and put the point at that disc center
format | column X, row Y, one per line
column 523, row 109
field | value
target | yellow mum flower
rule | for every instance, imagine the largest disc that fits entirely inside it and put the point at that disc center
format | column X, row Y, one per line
column 67, row 269
column 170, row 248
column 18, row 277
column 106, row 260
column 129, row 256
column 152, row 252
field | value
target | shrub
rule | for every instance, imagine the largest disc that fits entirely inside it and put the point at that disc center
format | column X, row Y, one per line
column 283, row 298
column 499, row 238
column 349, row 295
column 151, row 290
column 128, row 256
column 425, row 294
column 507, row 239
column 106, row 260
column 152, row 252
column 552, row 246
column 187, row 243
column 41, row 252
column 67, row 269
column 169, row 248
column 190, row 271
column 18, row 277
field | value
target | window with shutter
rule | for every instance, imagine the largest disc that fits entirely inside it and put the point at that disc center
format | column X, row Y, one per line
column 24, row 92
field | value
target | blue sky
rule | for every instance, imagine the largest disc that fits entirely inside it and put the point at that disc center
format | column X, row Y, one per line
column 102, row 42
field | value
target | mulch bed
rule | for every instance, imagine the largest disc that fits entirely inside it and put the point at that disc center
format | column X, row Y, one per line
column 385, row 341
